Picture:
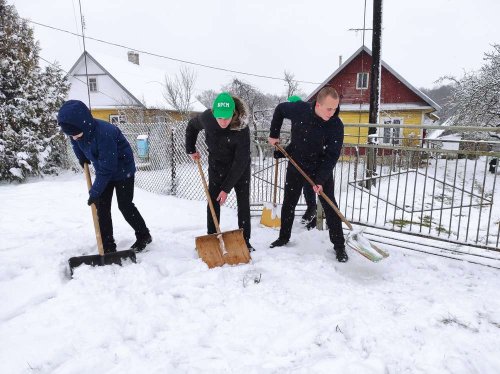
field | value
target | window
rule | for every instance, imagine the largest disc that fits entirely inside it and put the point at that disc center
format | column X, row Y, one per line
column 93, row 84
column 116, row 119
column 362, row 81
column 392, row 135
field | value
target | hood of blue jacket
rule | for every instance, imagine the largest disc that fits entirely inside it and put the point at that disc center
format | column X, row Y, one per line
column 77, row 114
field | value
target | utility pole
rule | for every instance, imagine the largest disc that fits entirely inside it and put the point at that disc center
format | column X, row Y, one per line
column 376, row 65
column 375, row 80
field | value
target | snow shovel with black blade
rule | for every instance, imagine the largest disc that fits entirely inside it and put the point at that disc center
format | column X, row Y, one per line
column 271, row 212
column 102, row 258
column 222, row 247
column 355, row 239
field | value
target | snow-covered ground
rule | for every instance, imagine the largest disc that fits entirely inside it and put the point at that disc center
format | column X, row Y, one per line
column 411, row 313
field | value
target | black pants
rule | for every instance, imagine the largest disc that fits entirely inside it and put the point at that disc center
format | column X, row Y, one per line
column 242, row 190
column 293, row 187
column 493, row 164
column 124, row 196
column 309, row 196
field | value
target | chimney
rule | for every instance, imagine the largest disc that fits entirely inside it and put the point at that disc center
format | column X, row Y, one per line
column 340, row 60
column 133, row 57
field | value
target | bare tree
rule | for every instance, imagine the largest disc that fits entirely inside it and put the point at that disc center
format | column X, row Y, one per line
column 207, row 98
column 475, row 98
column 178, row 91
column 292, row 85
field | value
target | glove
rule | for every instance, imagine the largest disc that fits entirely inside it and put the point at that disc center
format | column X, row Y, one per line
column 92, row 200
column 84, row 161
column 277, row 154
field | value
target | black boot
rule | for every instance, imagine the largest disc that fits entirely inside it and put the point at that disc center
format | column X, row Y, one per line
column 312, row 224
column 142, row 241
column 341, row 254
column 109, row 247
column 309, row 215
column 280, row 242
column 250, row 247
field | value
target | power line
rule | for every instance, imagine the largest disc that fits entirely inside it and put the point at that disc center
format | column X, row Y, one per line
column 84, row 82
column 167, row 57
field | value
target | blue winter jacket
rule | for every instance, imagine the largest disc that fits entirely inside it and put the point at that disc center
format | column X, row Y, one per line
column 102, row 143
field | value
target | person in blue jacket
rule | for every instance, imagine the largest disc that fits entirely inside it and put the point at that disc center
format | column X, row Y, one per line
column 103, row 144
column 317, row 135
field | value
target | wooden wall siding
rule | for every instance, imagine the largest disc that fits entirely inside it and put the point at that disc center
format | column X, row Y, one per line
column 392, row 90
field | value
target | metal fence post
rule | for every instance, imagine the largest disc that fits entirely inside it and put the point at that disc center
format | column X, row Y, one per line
column 173, row 186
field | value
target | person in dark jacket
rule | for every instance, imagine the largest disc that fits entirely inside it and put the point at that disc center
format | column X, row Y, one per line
column 309, row 216
column 103, row 144
column 228, row 140
column 317, row 135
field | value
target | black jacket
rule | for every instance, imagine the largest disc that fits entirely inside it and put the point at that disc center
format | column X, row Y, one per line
column 228, row 149
column 315, row 144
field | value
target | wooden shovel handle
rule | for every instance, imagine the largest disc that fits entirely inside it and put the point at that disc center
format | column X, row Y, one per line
column 97, row 229
column 210, row 204
column 276, row 169
column 323, row 195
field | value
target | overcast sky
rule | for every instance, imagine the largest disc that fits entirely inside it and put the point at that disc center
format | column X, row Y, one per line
column 421, row 39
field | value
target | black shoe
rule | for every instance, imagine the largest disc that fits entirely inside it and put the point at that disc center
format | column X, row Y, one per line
column 308, row 216
column 278, row 243
column 311, row 225
column 250, row 247
column 341, row 254
column 141, row 243
column 109, row 247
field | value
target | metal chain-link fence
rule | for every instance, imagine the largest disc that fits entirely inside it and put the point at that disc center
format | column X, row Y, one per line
column 448, row 193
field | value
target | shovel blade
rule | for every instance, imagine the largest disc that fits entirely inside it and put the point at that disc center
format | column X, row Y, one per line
column 114, row 258
column 210, row 251
column 271, row 216
column 360, row 244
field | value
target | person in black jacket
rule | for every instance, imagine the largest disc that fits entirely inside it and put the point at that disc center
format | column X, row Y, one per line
column 228, row 140
column 317, row 136
column 309, row 216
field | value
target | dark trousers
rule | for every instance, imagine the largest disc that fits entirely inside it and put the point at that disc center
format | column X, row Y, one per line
column 124, row 196
column 493, row 164
column 242, row 190
column 293, row 187
column 309, row 196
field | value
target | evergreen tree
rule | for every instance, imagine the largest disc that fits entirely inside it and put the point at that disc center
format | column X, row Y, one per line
column 30, row 143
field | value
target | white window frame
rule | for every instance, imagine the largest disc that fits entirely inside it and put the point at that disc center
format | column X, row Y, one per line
column 117, row 119
column 392, row 135
column 93, row 84
column 358, row 76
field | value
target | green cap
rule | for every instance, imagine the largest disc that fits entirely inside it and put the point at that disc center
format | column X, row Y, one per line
column 294, row 98
column 223, row 106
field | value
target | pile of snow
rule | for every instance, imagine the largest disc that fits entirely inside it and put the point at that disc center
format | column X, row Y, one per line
column 293, row 309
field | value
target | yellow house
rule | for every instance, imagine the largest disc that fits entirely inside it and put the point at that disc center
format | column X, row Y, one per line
column 400, row 102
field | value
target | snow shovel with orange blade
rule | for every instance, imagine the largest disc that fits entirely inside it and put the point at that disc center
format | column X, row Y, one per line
column 271, row 212
column 102, row 258
column 355, row 239
column 222, row 247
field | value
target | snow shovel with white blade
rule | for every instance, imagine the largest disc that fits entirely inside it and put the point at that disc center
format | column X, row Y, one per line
column 271, row 212
column 222, row 247
column 102, row 258
column 355, row 239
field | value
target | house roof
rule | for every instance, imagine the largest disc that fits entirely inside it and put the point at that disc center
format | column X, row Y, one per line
column 419, row 93
column 144, row 83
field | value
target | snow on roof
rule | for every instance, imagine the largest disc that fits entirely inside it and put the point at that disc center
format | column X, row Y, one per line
column 144, row 81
